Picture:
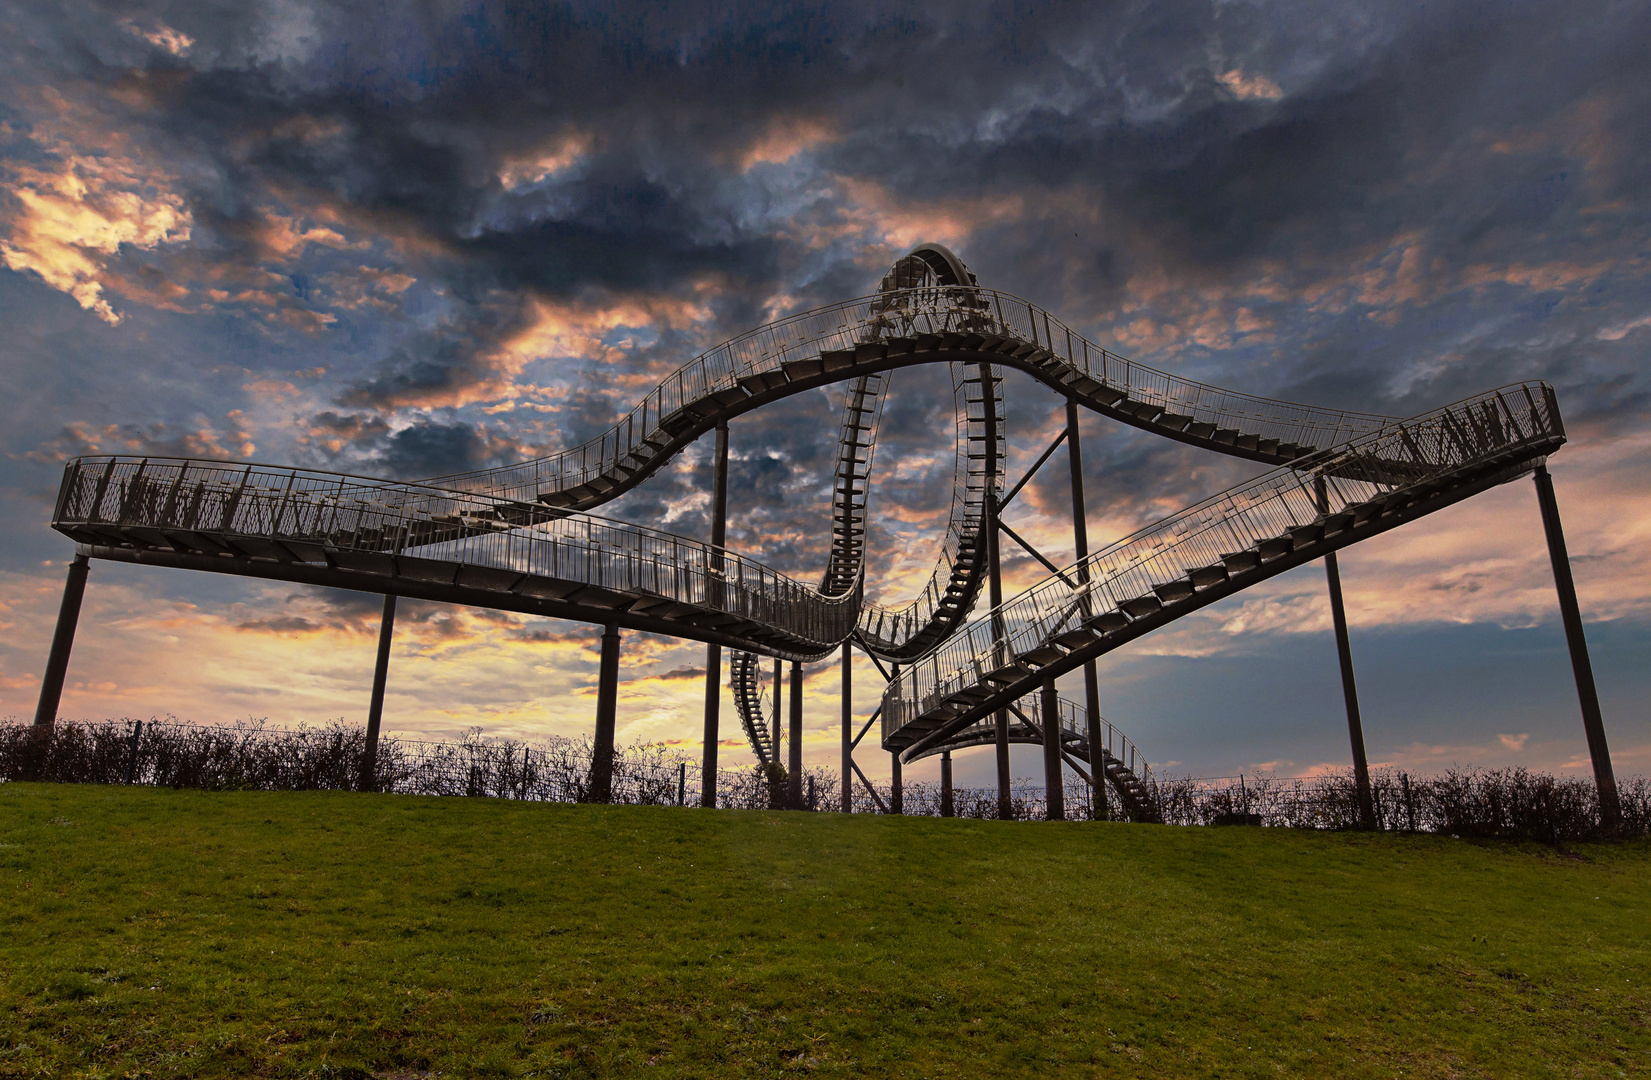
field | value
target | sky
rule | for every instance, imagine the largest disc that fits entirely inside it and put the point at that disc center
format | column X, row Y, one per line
column 406, row 241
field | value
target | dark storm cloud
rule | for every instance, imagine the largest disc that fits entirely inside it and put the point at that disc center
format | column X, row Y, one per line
column 434, row 449
column 1246, row 153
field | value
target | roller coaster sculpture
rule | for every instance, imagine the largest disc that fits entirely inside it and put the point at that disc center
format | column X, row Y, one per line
column 521, row 537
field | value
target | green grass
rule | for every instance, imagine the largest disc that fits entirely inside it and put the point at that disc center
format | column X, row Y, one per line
column 181, row 933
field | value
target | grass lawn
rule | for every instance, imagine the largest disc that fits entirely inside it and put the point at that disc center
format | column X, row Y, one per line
column 182, row 933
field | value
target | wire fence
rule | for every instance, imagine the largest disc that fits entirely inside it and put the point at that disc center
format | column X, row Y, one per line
column 253, row 756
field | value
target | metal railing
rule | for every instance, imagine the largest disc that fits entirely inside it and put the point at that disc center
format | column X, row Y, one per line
column 1074, row 725
column 318, row 516
column 955, row 309
column 1328, row 484
column 886, row 627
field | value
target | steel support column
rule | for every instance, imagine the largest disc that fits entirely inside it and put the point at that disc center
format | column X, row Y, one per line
column 713, row 653
column 794, row 765
column 607, row 707
column 897, row 789
column 375, row 706
column 846, row 692
column 1593, row 723
column 994, row 583
column 63, row 640
column 947, row 809
column 1099, row 809
column 777, row 735
column 1054, row 789
column 1349, row 688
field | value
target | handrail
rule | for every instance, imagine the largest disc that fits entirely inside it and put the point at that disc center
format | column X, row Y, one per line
column 1398, row 456
column 936, row 310
column 305, row 509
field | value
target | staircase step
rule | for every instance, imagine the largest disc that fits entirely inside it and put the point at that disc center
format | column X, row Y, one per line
column 1109, row 623
column 1172, row 591
column 1273, row 547
column 807, row 368
column 1205, row 576
column 1142, row 606
column 1007, row 674
column 1076, row 639
column 1041, row 656
column 1302, row 535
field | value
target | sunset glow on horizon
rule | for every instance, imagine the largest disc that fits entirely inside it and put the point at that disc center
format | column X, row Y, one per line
column 314, row 235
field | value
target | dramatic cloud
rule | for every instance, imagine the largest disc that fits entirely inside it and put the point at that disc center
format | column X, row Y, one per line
column 407, row 243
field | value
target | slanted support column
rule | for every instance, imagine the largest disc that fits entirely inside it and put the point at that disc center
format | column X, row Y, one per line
column 63, row 640
column 897, row 789
column 848, row 730
column 713, row 653
column 1054, row 790
column 1593, row 723
column 1091, row 681
column 375, row 707
column 607, row 707
column 1350, row 692
column 1349, row 688
column 794, row 765
column 947, row 808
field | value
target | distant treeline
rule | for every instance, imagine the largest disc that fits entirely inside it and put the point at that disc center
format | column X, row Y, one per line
column 1510, row 803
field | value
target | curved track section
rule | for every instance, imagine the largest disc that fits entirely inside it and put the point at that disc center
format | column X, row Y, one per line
column 746, row 679
column 515, row 538
column 1237, row 539
column 414, row 540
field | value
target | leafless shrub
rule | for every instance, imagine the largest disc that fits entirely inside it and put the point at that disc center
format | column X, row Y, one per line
column 1509, row 803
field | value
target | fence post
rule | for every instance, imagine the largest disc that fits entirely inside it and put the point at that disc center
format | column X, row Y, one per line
column 681, row 782
column 132, row 751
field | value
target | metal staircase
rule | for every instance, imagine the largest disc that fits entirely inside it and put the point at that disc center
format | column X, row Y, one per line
column 1124, row 769
column 750, row 703
column 1215, row 548
column 516, row 538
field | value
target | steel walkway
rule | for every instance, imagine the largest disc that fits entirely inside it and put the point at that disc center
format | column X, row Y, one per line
column 520, row 537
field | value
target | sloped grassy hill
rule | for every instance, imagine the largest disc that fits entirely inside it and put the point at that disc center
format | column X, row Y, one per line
column 181, row 933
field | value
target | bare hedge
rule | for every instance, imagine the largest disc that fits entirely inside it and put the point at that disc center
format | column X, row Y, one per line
column 1505, row 803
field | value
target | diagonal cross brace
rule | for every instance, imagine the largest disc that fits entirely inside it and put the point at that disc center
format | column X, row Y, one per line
column 1032, row 551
